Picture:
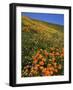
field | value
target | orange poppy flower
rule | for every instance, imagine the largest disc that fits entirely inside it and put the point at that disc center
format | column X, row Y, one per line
column 46, row 53
column 51, row 54
column 36, row 68
column 63, row 49
column 41, row 63
column 62, row 55
column 40, row 56
column 57, row 49
column 51, row 68
column 47, row 73
column 37, row 65
column 53, row 61
column 35, row 61
column 57, row 54
column 51, row 49
column 37, row 54
column 48, row 69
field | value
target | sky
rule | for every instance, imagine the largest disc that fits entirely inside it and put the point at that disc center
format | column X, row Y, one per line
column 50, row 18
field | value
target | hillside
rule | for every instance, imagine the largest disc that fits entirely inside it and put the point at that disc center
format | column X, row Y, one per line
column 43, row 31
column 39, row 35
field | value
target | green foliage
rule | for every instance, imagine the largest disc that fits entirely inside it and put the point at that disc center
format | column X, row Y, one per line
column 37, row 34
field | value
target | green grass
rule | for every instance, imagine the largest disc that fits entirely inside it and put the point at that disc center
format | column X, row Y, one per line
column 38, row 34
column 38, row 31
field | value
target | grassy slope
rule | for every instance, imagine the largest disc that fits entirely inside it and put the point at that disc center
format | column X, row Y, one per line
column 38, row 34
column 36, row 31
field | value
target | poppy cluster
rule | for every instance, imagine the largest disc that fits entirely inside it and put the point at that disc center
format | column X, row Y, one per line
column 45, row 63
